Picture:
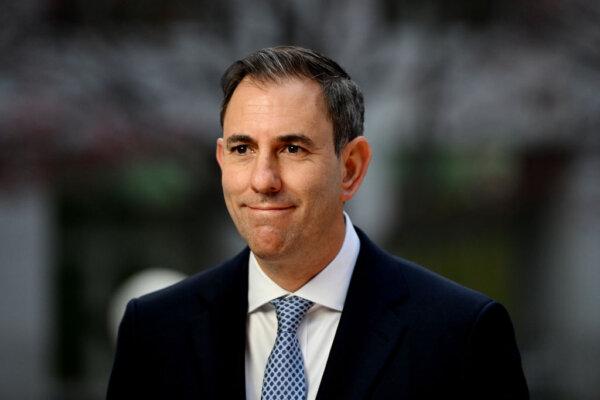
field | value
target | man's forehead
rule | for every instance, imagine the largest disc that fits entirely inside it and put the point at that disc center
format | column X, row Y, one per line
column 281, row 92
column 269, row 102
column 264, row 82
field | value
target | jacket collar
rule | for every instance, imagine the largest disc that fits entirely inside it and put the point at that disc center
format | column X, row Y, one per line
column 218, row 331
column 371, row 326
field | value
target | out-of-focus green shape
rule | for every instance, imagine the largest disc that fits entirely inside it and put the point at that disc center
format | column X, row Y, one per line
column 154, row 184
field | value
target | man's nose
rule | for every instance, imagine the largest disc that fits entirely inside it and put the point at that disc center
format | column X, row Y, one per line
column 266, row 178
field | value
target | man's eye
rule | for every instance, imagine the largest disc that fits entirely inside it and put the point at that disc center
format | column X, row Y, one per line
column 240, row 149
column 292, row 148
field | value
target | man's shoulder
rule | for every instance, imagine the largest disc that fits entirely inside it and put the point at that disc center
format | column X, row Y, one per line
column 194, row 294
column 430, row 289
column 421, row 286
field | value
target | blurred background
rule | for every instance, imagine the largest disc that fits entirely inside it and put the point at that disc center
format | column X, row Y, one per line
column 484, row 118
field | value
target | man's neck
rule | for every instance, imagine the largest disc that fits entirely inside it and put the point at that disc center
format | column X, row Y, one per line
column 295, row 271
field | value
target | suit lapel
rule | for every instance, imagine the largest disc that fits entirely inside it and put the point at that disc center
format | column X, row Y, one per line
column 371, row 326
column 218, row 333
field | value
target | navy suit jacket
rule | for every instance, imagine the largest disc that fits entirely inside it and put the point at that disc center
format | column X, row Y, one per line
column 404, row 333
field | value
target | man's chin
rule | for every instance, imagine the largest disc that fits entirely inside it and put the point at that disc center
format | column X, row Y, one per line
column 268, row 247
column 267, row 252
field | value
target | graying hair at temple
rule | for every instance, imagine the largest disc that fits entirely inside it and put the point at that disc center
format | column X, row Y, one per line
column 345, row 104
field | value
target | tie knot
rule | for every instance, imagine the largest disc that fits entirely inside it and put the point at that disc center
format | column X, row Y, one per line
column 290, row 311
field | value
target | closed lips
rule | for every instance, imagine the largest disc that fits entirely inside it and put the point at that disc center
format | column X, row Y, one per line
column 270, row 208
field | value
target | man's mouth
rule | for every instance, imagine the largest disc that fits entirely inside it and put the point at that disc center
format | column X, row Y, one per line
column 269, row 207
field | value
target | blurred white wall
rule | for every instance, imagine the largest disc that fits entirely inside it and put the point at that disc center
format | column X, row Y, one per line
column 25, row 298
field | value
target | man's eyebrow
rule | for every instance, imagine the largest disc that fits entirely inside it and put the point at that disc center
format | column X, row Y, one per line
column 239, row 138
column 296, row 138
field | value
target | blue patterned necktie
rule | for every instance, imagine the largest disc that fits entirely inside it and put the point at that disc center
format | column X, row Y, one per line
column 284, row 376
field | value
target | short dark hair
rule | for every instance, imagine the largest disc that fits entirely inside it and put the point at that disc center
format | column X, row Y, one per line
column 344, row 100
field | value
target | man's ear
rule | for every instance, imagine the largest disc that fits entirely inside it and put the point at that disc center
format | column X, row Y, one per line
column 219, row 152
column 355, row 159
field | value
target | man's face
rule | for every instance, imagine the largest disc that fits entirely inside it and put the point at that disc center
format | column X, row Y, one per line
column 280, row 173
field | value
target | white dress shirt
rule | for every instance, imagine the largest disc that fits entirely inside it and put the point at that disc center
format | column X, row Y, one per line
column 316, row 331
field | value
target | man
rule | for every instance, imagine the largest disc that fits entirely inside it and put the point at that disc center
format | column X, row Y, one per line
column 312, row 309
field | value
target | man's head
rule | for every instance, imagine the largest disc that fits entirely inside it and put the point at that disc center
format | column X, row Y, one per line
column 285, row 181
column 343, row 98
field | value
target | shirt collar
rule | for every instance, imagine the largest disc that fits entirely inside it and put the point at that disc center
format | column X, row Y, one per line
column 328, row 288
